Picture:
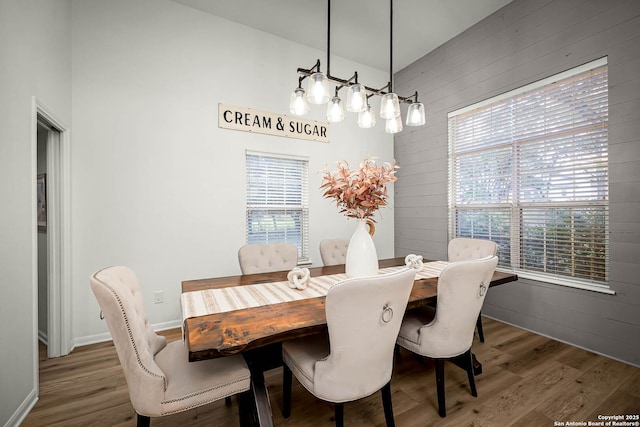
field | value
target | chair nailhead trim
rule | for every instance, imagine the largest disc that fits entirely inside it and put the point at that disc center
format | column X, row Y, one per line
column 126, row 321
column 196, row 405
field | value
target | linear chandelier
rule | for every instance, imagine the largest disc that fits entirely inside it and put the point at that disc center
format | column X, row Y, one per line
column 318, row 92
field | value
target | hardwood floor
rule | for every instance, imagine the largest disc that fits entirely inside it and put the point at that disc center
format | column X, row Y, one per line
column 527, row 380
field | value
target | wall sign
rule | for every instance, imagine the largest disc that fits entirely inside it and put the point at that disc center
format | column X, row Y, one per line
column 251, row 120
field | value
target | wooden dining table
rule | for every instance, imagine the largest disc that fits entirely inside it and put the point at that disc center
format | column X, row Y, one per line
column 257, row 332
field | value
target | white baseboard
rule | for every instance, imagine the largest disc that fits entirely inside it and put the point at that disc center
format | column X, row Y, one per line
column 91, row 339
column 94, row 339
column 167, row 325
column 42, row 336
column 23, row 410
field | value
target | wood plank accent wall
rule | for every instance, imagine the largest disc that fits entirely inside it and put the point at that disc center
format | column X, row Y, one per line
column 525, row 41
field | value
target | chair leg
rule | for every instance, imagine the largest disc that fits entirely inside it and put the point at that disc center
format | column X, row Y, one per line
column 143, row 421
column 442, row 410
column 387, row 404
column 339, row 414
column 479, row 327
column 469, row 368
column 287, row 378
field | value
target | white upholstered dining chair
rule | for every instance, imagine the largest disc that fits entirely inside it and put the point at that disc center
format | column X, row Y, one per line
column 446, row 332
column 268, row 257
column 160, row 378
column 355, row 358
column 463, row 248
column 334, row 251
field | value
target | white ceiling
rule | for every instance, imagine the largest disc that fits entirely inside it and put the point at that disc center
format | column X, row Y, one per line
column 359, row 28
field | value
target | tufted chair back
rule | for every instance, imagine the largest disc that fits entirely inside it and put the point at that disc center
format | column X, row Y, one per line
column 334, row 251
column 118, row 294
column 460, row 299
column 266, row 258
column 160, row 378
column 446, row 332
column 363, row 318
column 463, row 248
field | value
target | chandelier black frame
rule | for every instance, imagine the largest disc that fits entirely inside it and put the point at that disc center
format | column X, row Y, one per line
column 415, row 115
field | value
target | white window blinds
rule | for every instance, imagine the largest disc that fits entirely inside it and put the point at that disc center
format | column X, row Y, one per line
column 529, row 170
column 277, row 201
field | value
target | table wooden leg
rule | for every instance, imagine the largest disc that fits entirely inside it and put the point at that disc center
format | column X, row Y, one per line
column 260, row 360
column 261, row 400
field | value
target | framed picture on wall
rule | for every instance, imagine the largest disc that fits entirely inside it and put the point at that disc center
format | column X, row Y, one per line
column 42, row 202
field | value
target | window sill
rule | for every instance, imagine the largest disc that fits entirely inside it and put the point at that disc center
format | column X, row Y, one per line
column 603, row 289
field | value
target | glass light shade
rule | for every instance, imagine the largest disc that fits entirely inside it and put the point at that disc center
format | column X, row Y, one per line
column 356, row 98
column 298, row 103
column 415, row 114
column 393, row 125
column 389, row 106
column 335, row 110
column 318, row 89
column 367, row 118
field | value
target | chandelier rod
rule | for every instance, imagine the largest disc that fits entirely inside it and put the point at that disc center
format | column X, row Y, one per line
column 342, row 82
column 388, row 88
column 328, row 37
column 304, row 72
column 390, row 45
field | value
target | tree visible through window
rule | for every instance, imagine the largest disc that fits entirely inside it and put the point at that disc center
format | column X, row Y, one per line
column 529, row 170
column 277, row 201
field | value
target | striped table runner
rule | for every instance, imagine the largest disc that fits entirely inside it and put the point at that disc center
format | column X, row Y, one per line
column 212, row 301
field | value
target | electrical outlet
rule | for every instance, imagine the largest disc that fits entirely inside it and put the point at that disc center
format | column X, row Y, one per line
column 158, row 297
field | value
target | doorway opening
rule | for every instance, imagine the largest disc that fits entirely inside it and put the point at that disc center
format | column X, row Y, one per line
column 53, row 294
column 43, row 135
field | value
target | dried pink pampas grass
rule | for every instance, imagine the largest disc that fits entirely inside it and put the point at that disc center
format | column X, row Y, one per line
column 359, row 193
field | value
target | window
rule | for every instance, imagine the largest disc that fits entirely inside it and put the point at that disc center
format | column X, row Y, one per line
column 529, row 170
column 277, row 201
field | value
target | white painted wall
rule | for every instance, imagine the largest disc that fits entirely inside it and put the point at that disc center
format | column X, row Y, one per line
column 157, row 185
column 35, row 60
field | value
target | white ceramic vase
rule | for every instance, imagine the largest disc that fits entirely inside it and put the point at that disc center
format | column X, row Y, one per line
column 362, row 258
